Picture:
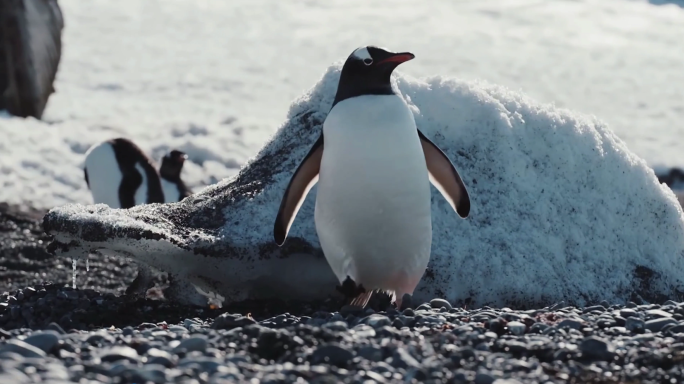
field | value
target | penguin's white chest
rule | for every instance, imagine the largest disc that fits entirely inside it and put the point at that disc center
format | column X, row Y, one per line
column 373, row 195
column 104, row 175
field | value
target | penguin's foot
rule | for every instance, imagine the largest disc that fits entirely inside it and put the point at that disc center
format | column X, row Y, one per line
column 362, row 299
column 404, row 302
column 350, row 289
column 183, row 292
column 139, row 286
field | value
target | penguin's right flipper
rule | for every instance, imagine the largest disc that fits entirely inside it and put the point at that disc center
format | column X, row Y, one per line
column 304, row 178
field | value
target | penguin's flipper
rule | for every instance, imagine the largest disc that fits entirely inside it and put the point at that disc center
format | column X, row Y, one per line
column 444, row 177
column 85, row 172
column 304, row 178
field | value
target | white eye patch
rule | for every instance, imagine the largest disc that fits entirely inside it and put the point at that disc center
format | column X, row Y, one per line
column 363, row 55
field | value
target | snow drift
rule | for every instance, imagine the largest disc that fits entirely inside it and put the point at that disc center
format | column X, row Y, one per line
column 561, row 210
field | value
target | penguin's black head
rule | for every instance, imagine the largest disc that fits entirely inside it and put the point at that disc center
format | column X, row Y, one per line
column 367, row 71
column 172, row 165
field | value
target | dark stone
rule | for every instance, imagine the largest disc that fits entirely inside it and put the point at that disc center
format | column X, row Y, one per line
column 229, row 321
column 655, row 325
column 595, row 348
column 30, row 51
column 595, row 308
column 440, row 303
column 332, row 354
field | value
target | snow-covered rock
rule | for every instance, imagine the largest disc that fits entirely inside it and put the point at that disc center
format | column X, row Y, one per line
column 561, row 210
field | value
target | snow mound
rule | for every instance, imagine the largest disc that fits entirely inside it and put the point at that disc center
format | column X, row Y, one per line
column 561, row 210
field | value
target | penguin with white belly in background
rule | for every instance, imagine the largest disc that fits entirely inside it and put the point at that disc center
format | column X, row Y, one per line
column 373, row 168
column 170, row 171
column 119, row 174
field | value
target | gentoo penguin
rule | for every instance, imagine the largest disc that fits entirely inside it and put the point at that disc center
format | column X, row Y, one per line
column 170, row 171
column 119, row 174
column 373, row 168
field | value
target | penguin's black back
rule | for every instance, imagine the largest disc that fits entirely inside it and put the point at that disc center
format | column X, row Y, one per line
column 128, row 154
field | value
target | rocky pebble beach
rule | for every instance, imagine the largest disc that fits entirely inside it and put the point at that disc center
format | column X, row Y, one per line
column 52, row 333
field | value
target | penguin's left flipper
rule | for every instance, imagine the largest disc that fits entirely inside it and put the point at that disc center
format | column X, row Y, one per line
column 304, row 178
column 444, row 177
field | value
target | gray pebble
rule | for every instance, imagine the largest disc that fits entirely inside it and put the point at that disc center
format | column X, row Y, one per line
column 228, row 321
column 187, row 323
column 55, row 327
column 377, row 321
column 484, row 378
column 430, row 321
column 8, row 355
column 177, row 329
column 656, row 325
column 22, row 348
column 628, row 312
column 332, row 354
column 570, row 323
column 337, row 326
column 118, row 353
column 194, row 343
column 596, row 348
column 634, row 324
column 45, row 340
column 371, row 353
column 403, row 359
column 440, row 303
column 152, row 372
column 363, row 331
column 160, row 357
column 657, row 313
column 539, row 327
column 517, row 328
column 14, row 376
column 100, row 337
column 206, row 364
column 595, row 308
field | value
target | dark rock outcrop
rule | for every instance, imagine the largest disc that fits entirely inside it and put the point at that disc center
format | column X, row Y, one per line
column 30, row 51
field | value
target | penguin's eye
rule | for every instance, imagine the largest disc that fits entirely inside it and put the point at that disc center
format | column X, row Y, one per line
column 368, row 61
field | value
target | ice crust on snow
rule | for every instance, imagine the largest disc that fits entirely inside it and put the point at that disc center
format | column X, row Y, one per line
column 561, row 209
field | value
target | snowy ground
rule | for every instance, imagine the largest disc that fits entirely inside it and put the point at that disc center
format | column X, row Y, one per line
column 215, row 78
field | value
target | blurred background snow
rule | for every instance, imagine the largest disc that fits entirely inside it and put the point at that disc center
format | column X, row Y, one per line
column 216, row 78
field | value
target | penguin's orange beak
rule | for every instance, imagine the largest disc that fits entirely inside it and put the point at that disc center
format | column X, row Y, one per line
column 398, row 58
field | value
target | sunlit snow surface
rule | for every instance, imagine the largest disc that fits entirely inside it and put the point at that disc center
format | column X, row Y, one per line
column 215, row 78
